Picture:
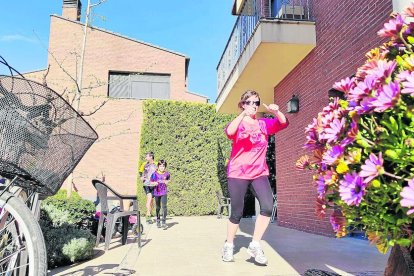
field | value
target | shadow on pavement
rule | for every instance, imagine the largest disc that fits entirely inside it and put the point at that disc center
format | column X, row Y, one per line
column 304, row 251
column 92, row 270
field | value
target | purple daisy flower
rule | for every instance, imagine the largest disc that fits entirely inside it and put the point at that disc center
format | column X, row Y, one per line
column 365, row 106
column 372, row 168
column 407, row 194
column 312, row 142
column 320, row 186
column 352, row 189
column 408, row 84
column 392, row 28
column 387, row 97
column 333, row 154
column 334, row 130
column 351, row 134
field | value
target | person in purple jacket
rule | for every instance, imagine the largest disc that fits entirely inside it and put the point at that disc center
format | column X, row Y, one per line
column 160, row 178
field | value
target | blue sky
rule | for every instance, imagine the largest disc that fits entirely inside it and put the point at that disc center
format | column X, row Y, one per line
column 197, row 28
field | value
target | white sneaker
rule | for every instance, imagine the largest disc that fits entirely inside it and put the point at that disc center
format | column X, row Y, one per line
column 227, row 253
column 256, row 252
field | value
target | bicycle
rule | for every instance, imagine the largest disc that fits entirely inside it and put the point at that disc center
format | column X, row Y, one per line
column 42, row 139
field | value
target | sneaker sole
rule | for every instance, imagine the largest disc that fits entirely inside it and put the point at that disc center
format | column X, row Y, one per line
column 251, row 254
column 227, row 261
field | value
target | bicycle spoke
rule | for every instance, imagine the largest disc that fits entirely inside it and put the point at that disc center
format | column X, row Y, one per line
column 14, row 269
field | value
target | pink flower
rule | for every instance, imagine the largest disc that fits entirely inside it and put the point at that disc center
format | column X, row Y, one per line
column 303, row 162
column 321, row 205
column 338, row 222
column 409, row 11
column 383, row 70
column 344, row 85
column 334, row 130
column 372, row 168
column 359, row 92
column 351, row 134
column 392, row 28
column 387, row 97
column 408, row 84
column 407, row 194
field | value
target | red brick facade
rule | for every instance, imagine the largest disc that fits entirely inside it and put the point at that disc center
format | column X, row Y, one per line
column 118, row 123
column 345, row 31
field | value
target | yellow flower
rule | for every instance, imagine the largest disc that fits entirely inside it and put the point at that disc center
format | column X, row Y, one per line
column 382, row 247
column 342, row 167
column 354, row 157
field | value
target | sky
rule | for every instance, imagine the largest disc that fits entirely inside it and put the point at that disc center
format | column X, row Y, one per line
column 197, row 28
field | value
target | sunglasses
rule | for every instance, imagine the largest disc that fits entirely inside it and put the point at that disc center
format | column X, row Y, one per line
column 256, row 103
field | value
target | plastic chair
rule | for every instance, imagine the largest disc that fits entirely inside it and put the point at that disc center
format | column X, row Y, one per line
column 111, row 218
column 274, row 210
column 223, row 202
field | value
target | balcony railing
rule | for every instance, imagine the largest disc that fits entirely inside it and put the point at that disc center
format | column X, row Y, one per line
column 252, row 12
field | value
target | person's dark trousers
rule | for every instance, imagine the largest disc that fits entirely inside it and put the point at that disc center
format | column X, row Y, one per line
column 161, row 202
column 261, row 190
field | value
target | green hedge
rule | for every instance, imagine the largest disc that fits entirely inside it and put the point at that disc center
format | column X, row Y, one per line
column 190, row 137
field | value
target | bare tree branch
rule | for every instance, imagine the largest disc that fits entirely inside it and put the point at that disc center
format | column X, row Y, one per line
column 95, row 109
column 45, row 76
column 118, row 121
column 126, row 132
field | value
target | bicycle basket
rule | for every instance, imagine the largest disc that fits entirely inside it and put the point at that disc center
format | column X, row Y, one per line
column 42, row 138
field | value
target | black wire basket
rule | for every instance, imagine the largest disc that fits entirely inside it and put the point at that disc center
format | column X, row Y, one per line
column 42, row 138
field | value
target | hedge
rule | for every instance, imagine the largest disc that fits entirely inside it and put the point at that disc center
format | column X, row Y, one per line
column 190, row 137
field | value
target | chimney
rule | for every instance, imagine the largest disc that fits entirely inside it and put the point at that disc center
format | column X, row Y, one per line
column 71, row 9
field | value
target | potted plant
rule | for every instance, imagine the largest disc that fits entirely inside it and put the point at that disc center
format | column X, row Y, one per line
column 362, row 147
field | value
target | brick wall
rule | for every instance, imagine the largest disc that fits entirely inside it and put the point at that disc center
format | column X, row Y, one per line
column 118, row 122
column 345, row 31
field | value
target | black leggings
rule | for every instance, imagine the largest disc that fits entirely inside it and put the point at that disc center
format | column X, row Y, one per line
column 161, row 200
column 260, row 189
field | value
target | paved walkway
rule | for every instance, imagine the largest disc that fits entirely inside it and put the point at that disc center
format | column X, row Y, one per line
column 192, row 246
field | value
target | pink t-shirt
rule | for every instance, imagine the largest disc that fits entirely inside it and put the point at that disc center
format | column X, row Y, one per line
column 248, row 153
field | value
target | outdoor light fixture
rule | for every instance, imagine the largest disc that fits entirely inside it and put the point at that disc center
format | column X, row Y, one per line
column 333, row 93
column 293, row 105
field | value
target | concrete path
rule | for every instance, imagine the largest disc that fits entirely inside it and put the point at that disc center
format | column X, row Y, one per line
column 192, row 246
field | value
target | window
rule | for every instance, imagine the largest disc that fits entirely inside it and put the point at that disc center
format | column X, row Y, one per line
column 138, row 85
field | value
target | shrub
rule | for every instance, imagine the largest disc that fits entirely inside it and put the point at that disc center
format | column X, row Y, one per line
column 72, row 210
column 363, row 146
column 60, row 220
column 190, row 137
column 66, row 244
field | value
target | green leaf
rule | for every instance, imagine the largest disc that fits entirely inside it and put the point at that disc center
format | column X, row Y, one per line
column 404, row 242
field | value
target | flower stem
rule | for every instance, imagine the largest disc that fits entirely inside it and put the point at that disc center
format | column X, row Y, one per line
column 396, row 176
column 408, row 46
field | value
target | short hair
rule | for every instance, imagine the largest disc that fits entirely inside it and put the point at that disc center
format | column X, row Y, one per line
column 247, row 94
column 150, row 153
column 162, row 162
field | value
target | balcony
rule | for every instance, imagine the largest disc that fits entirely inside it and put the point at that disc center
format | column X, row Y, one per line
column 269, row 39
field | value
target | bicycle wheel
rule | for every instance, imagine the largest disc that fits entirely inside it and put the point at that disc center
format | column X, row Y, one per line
column 22, row 246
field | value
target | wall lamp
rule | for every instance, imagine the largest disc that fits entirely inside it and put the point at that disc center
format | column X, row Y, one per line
column 293, row 105
column 333, row 93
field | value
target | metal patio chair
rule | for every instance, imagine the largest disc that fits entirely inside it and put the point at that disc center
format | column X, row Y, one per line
column 223, row 202
column 274, row 210
column 111, row 218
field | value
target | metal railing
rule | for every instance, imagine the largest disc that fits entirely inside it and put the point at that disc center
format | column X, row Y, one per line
column 252, row 12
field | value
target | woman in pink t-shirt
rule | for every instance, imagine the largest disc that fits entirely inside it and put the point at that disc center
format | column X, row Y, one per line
column 247, row 167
